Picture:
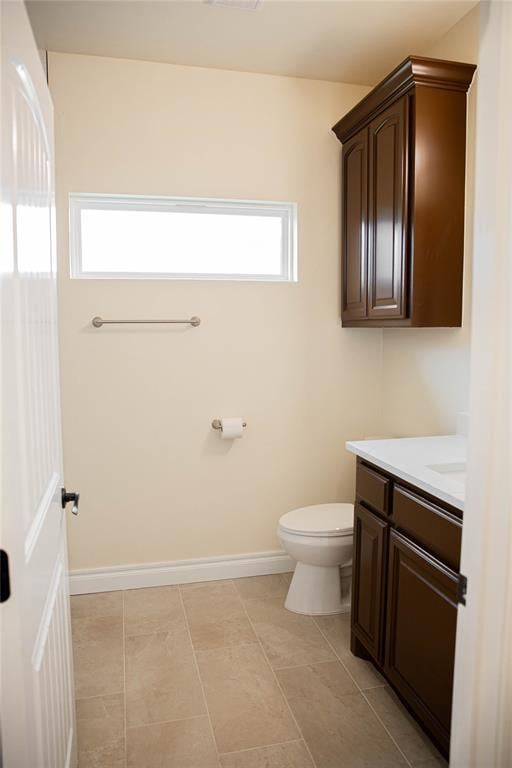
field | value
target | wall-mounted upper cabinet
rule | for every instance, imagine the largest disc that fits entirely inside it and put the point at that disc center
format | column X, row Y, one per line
column 403, row 172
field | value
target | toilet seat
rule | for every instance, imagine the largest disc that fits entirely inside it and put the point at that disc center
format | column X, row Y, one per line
column 319, row 520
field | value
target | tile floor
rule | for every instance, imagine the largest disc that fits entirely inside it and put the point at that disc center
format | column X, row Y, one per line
column 220, row 675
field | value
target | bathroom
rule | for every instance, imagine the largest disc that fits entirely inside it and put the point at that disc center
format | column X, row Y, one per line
column 181, row 648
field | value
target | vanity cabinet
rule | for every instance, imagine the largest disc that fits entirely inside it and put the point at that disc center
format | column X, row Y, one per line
column 405, row 593
column 403, row 180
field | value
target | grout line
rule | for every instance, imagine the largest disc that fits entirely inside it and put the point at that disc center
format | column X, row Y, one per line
column 280, row 687
column 385, row 684
column 266, row 598
column 99, row 695
column 124, row 685
column 338, row 657
column 241, row 644
column 164, row 722
column 397, row 745
column 199, row 675
column 264, row 746
column 309, row 664
column 362, row 692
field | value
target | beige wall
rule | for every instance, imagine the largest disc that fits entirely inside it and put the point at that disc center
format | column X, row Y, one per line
column 426, row 371
column 157, row 484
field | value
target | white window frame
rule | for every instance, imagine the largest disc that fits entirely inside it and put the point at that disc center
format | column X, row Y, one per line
column 287, row 212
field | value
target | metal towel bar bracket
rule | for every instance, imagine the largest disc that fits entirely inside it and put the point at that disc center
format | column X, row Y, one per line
column 99, row 321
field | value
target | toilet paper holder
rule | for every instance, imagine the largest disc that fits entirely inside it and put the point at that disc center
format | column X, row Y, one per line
column 217, row 424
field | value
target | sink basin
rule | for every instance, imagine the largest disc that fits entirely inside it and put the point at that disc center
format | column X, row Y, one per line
column 456, row 472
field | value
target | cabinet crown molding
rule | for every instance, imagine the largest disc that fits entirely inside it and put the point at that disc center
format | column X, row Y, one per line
column 413, row 71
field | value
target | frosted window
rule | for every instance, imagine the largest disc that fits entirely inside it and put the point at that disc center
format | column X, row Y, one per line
column 167, row 237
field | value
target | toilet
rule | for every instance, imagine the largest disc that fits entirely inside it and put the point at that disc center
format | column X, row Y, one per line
column 319, row 538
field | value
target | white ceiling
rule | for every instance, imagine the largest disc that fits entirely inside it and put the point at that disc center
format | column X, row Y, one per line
column 356, row 41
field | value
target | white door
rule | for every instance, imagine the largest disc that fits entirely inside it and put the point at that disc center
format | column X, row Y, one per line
column 37, row 680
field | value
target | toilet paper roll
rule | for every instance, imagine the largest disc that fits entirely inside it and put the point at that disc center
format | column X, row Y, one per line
column 232, row 428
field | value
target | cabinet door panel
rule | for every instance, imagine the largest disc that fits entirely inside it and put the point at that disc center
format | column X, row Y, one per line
column 355, row 219
column 420, row 634
column 370, row 545
column 387, row 213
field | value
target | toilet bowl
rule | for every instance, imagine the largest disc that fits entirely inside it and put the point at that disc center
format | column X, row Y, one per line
column 319, row 538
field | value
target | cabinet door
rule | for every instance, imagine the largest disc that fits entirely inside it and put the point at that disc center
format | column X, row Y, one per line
column 369, row 579
column 387, row 278
column 355, row 220
column 420, row 634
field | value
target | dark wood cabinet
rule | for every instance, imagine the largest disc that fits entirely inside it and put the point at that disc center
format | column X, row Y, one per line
column 355, row 214
column 403, row 183
column 370, row 546
column 387, row 213
column 438, row 531
column 420, row 633
column 405, row 592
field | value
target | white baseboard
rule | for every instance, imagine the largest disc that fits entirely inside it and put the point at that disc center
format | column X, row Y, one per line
column 179, row 572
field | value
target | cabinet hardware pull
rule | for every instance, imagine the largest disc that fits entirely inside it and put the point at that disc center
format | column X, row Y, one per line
column 462, row 589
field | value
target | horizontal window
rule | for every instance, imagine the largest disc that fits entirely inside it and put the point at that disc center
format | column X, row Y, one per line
column 182, row 238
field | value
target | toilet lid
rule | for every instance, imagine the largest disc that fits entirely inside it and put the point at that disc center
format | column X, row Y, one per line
column 320, row 520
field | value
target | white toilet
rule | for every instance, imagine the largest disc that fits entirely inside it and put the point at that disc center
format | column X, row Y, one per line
column 319, row 538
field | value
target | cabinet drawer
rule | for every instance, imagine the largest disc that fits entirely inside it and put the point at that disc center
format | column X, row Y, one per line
column 436, row 530
column 373, row 488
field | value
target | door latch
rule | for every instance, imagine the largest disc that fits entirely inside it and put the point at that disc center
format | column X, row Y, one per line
column 66, row 497
column 5, row 581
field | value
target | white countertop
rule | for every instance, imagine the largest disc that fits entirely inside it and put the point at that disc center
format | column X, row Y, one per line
column 409, row 458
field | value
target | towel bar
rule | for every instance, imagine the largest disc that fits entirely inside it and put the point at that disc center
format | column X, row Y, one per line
column 99, row 321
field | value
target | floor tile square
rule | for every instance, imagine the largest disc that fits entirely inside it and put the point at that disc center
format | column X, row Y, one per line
column 273, row 585
column 100, row 732
column 216, row 616
column 289, row 639
column 340, row 729
column 156, row 609
column 181, row 744
column 244, row 701
column 413, row 742
column 337, row 630
column 162, row 682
